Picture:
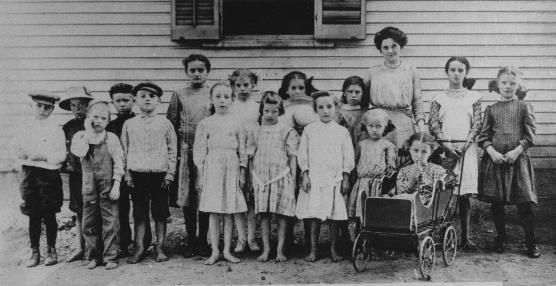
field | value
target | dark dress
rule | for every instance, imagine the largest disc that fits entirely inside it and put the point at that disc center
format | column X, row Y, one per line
column 506, row 125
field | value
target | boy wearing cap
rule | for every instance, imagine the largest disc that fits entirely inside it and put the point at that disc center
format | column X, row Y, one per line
column 122, row 98
column 150, row 148
column 102, row 164
column 187, row 107
column 40, row 149
column 77, row 99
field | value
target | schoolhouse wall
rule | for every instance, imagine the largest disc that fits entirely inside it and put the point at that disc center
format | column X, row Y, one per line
column 55, row 44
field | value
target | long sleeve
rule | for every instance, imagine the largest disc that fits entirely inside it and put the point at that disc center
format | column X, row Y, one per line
column 529, row 128
column 172, row 145
column 125, row 147
column 435, row 124
column 58, row 153
column 117, row 154
column 200, row 148
column 404, row 184
column 173, row 113
column 417, row 103
column 477, row 120
column 485, row 137
column 250, row 143
column 79, row 145
column 349, row 154
column 292, row 143
column 391, row 157
column 303, row 152
column 241, row 135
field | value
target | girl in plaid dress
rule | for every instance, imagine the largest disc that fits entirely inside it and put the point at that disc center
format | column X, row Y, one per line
column 274, row 148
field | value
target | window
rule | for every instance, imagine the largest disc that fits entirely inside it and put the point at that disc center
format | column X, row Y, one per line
column 223, row 19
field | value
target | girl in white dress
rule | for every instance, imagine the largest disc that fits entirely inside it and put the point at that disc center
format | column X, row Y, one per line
column 326, row 158
column 222, row 164
column 456, row 114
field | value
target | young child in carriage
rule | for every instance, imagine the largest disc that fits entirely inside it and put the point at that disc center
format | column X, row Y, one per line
column 375, row 158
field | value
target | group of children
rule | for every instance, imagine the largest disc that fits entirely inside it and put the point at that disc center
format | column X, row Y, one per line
column 296, row 153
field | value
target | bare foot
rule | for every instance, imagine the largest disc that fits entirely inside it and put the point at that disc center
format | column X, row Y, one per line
column 228, row 256
column 280, row 257
column 334, row 256
column 263, row 257
column 138, row 256
column 253, row 245
column 92, row 264
column 77, row 255
column 240, row 246
column 212, row 259
column 312, row 257
column 160, row 256
column 111, row 265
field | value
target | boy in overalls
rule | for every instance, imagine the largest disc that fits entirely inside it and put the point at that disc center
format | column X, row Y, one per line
column 102, row 164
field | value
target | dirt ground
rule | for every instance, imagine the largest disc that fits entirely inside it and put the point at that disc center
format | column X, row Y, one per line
column 511, row 268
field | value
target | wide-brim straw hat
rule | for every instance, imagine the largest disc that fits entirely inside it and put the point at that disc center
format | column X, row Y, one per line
column 75, row 92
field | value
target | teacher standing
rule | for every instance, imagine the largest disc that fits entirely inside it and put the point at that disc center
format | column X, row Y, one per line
column 395, row 87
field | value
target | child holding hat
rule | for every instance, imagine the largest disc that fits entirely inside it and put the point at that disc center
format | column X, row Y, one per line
column 102, row 163
column 77, row 99
column 150, row 148
column 40, row 149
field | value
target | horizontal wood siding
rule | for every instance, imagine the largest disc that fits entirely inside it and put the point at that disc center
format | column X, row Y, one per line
column 54, row 44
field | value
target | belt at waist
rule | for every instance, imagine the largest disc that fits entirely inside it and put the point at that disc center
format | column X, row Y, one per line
column 260, row 183
column 405, row 110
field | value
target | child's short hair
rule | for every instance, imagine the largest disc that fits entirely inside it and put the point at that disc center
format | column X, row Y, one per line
column 243, row 73
column 356, row 80
column 99, row 105
column 212, row 110
column 378, row 112
column 271, row 97
column 309, row 88
column 323, row 93
column 467, row 82
column 390, row 33
column 120, row 88
column 423, row 137
column 196, row 57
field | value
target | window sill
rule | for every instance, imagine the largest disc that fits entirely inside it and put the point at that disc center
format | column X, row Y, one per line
column 269, row 41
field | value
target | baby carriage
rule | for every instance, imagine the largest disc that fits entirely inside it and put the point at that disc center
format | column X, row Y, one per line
column 404, row 223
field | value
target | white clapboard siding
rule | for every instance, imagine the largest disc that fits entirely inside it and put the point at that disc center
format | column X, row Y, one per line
column 54, row 44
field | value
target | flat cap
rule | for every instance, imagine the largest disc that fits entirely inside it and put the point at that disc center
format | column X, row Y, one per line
column 149, row 86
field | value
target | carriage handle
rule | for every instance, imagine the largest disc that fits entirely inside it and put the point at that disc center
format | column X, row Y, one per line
column 467, row 143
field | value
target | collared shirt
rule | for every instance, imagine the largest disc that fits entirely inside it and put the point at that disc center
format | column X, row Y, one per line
column 150, row 145
column 40, row 137
column 115, row 126
column 80, row 147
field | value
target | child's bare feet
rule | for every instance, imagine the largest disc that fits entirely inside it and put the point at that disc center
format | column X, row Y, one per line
column 138, row 256
column 111, row 265
column 334, row 256
column 264, row 256
column 312, row 257
column 253, row 245
column 228, row 256
column 77, row 255
column 212, row 259
column 280, row 257
column 92, row 264
column 160, row 255
column 240, row 246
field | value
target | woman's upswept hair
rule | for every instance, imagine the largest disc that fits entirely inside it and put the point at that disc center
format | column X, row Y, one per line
column 270, row 97
column 390, row 33
column 309, row 88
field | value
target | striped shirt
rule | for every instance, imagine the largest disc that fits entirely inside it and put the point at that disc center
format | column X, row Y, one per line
column 150, row 145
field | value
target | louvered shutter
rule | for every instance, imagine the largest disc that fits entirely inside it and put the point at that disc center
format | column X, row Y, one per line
column 195, row 19
column 340, row 19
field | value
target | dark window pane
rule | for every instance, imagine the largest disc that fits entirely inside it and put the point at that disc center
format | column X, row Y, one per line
column 268, row 17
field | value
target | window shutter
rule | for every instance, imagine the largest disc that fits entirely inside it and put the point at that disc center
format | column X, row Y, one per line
column 195, row 19
column 340, row 19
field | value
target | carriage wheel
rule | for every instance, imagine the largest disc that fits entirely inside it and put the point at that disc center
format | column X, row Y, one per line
column 426, row 257
column 361, row 253
column 449, row 246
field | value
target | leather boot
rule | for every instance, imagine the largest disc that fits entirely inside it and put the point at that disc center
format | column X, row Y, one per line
column 51, row 256
column 35, row 258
